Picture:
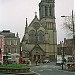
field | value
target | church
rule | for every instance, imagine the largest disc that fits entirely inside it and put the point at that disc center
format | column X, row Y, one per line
column 40, row 37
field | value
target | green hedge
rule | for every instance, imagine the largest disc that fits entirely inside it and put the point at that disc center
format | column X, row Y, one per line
column 14, row 66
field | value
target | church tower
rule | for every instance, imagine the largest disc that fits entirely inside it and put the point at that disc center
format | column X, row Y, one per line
column 40, row 37
column 46, row 9
column 47, row 19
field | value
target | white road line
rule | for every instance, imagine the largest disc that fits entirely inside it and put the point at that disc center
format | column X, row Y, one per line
column 50, row 69
column 36, row 73
column 41, row 70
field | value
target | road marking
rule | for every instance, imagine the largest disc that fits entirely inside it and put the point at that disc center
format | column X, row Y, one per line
column 41, row 70
column 50, row 69
column 36, row 73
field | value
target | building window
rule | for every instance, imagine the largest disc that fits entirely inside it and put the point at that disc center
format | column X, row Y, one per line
column 15, row 50
column 40, row 36
column 4, row 42
column 8, row 42
column 15, row 42
column 9, row 50
column 32, row 36
column 46, row 11
column 50, row 11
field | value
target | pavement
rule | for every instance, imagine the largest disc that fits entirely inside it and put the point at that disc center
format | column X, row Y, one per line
column 49, row 69
column 46, row 69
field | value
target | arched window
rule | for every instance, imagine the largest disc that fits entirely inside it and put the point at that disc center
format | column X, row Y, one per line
column 46, row 11
column 32, row 37
column 40, row 36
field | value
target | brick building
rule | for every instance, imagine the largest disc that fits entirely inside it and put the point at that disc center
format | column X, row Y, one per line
column 1, row 48
column 11, row 45
column 68, row 47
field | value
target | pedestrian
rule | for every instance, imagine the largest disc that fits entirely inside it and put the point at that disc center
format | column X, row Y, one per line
column 36, row 62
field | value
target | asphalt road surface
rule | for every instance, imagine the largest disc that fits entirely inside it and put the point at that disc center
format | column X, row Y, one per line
column 50, row 69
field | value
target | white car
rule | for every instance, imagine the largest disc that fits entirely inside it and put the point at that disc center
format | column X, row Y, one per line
column 46, row 61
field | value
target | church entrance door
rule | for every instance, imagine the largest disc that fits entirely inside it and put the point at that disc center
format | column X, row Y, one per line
column 36, row 57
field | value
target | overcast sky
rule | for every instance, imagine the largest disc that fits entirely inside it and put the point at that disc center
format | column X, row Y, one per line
column 14, row 12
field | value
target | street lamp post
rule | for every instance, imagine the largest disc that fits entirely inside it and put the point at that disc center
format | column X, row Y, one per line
column 73, row 30
column 62, row 55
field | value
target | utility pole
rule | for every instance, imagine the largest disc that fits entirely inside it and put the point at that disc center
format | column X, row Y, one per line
column 73, row 51
column 73, row 31
column 62, row 54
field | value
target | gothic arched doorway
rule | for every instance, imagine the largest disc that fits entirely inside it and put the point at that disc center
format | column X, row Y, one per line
column 37, row 54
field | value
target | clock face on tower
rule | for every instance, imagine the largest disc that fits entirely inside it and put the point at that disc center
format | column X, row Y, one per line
column 36, row 25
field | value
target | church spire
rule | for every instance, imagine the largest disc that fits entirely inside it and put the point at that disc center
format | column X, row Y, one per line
column 26, row 26
column 26, row 22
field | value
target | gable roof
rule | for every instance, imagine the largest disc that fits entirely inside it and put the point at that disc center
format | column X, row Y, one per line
column 35, row 20
column 38, row 47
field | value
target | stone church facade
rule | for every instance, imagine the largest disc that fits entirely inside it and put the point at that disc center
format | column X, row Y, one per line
column 40, row 38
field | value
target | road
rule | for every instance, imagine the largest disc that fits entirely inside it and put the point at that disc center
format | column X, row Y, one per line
column 50, row 69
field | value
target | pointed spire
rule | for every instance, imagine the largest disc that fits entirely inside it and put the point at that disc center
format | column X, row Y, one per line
column 26, row 26
column 36, row 14
column 26, row 23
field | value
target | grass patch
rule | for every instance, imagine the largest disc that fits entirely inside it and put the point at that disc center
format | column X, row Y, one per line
column 14, row 66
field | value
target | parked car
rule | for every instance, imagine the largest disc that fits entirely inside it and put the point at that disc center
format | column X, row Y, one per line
column 46, row 61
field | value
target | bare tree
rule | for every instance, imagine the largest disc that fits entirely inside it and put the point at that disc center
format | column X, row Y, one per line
column 69, row 25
